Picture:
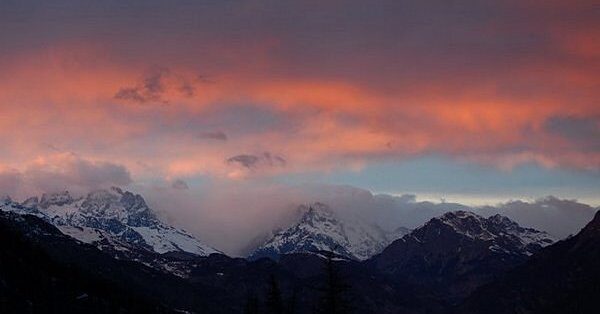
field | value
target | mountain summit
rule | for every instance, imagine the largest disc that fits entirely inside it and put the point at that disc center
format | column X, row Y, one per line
column 115, row 216
column 459, row 251
column 562, row 278
column 320, row 229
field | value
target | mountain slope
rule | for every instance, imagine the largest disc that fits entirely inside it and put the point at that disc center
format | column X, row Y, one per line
column 562, row 278
column 320, row 229
column 45, row 271
column 458, row 252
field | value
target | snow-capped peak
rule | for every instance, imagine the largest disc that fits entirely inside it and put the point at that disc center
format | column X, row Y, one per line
column 501, row 232
column 316, row 213
column 57, row 199
column 320, row 229
column 466, row 223
column 117, row 213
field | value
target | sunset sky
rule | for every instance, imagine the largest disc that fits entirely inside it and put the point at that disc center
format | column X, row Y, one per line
column 472, row 101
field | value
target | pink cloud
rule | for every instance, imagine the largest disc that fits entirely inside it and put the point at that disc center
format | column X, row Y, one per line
column 320, row 100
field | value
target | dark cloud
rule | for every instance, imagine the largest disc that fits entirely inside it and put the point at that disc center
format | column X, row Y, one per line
column 247, row 161
column 576, row 128
column 153, row 83
column 274, row 160
column 558, row 217
column 74, row 172
column 216, row 135
column 130, row 94
column 187, row 89
column 151, row 89
column 62, row 172
column 180, row 185
column 254, row 161
column 423, row 40
column 205, row 79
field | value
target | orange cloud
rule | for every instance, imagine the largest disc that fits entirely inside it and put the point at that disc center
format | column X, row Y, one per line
column 321, row 100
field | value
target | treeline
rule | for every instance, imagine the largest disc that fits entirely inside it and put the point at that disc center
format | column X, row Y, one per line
column 331, row 294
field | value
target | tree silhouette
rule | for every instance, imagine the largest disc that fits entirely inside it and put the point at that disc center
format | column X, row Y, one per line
column 274, row 301
column 291, row 303
column 333, row 300
column 251, row 304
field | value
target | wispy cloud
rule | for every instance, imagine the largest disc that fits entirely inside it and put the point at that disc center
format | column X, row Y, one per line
column 180, row 185
column 216, row 135
column 150, row 89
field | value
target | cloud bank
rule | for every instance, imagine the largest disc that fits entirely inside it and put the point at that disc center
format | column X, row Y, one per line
column 60, row 172
column 334, row 85
column 233, row 217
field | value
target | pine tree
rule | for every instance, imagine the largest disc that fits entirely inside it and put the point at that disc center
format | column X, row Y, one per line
column 251, row 304
column 291, row 303
column 333, row 300
column 274, row 302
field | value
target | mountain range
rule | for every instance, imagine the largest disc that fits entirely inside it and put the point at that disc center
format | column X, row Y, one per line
column 109, row 252
column 562, row 278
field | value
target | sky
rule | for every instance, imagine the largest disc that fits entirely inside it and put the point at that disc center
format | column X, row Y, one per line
column 469, row 101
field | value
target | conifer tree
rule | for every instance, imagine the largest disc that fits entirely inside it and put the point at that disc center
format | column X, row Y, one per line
column 333, row 300
column 274, row 301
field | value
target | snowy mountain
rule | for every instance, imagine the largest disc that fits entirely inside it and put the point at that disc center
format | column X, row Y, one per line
column 461, row 250
column 503, row 234
column 320, row 229
column 562, row 278
column 116, row 221
column 434, row 269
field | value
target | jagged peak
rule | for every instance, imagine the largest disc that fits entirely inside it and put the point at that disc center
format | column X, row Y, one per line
column 316, row 209
column 99, row 196
column 460, row 220
column 115, row 200
column 59, row 199
column 317, row 214
column 134, row 202
column 102, row 195
column 501, row 219
column 116, row 189
column 474, row 226
column 460, row 214
column 131, row 201
column 120, row 213
column 459, row 217
column 321, row 229
column 31, row 202
column 112, row 192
